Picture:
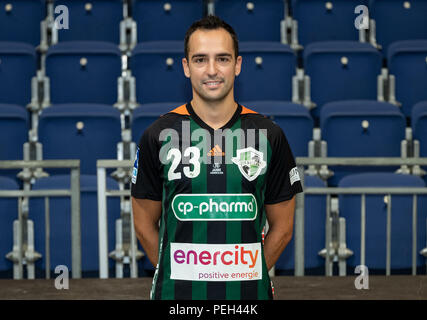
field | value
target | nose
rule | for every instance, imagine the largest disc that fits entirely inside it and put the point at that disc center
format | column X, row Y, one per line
column 212, row 70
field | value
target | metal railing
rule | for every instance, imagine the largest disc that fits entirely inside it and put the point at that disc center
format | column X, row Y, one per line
column 328, row 191
column 73, row 193
column 103, row 193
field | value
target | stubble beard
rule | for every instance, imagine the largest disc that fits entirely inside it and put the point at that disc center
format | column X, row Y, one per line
column 204, row 94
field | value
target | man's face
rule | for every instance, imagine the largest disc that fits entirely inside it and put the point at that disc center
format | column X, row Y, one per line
column 211, row 65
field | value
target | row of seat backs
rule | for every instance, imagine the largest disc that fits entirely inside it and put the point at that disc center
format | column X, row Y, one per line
column 255, row 20
column 98, row 20
column 335, row 20
column 87, row 72
column 60, row 221
column 351, row 128
column 315, row 208
column 375, row 228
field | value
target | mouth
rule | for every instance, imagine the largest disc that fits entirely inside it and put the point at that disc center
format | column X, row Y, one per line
column 211, row 84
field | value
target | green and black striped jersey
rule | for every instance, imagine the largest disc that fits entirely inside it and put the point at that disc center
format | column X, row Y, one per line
column 213, row 185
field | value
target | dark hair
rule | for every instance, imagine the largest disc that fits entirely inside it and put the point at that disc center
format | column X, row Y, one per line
column 211, row 23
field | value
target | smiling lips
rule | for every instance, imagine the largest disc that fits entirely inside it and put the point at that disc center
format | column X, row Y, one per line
column 212, row 83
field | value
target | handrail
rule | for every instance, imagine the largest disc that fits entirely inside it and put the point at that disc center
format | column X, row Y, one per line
column 73, row 192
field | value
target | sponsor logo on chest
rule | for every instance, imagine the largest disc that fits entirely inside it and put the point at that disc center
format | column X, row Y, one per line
column 216, row 262
column 219, row 207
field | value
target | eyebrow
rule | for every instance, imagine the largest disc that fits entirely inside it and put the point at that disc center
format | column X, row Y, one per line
column 201, row 55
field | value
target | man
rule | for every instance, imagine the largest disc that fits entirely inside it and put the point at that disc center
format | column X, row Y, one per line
column 211, row 172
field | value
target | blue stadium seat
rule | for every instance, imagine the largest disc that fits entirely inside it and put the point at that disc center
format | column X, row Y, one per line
column 256, row 20
column 376, row 221
column 267, row 71
column 17, row 66
column 419, row 128
column 325, row 21
column 314, row 234
column 361, row 129
column 13, row 131
column 13, row 135
column 408, row 20
column 8, row 213
column 419, row 125
column 158, row 72
column 407, row 62
column 20, row 20
column 80, row 131
column 294, row 119
column 341, row 70
column 60, row 222
column 165, row 20
column 97, row 20
column 83, row 71
column 146, row 114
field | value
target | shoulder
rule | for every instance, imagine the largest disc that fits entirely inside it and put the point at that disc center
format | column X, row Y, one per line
column 255, row 120
column 169, row 120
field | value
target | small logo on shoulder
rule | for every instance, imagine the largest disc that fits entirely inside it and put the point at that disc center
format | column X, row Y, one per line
column 135, row 167
column 294, row 175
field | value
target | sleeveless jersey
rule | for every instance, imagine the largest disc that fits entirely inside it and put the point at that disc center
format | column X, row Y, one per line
column 213, row 185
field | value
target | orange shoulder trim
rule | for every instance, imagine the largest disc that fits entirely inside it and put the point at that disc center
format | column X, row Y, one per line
column 181, row 110
column 246, row 110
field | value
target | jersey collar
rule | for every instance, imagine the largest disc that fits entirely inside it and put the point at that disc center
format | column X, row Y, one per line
column 202, row 124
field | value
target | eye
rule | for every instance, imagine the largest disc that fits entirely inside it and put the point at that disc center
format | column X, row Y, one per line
column 223, row 59
column 199, row 60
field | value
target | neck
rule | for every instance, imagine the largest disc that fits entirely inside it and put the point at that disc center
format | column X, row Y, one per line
column 214, row 113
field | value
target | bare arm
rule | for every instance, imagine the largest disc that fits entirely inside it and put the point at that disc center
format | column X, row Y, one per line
column 280, row 217
column 146, row 216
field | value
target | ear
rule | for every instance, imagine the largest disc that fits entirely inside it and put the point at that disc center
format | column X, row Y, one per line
column 186, row 67
column 238, row 66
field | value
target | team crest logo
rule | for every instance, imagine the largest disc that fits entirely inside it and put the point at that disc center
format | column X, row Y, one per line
column 250, row 162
